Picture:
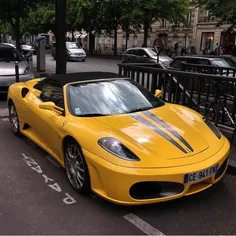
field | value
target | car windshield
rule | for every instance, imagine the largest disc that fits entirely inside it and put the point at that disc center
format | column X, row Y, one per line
column 72, row 46
column 152, row 52
column 224, row 62
column 109, row 98
column 10, row 54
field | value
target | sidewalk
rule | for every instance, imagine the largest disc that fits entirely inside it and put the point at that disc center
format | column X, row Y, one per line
column 42, row 74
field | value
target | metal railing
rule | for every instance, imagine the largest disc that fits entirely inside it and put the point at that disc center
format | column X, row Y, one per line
column 184, row 88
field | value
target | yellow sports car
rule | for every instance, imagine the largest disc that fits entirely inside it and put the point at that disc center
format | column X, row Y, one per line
column 117, row 139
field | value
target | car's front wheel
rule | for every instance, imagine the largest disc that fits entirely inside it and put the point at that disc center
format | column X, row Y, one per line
column 76, row 167
column 14, row 120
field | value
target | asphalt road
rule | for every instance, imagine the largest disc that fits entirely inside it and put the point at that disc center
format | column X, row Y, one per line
column 91, row 64
column 36, row 198
column 30, row 203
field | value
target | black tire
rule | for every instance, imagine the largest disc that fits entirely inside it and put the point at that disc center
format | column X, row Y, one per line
column 76, row 168
column 209, row 111
column 14, row 120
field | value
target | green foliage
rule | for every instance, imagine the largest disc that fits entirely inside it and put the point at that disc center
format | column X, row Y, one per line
column 226, row 10
column 5, row 27
column 40, row 19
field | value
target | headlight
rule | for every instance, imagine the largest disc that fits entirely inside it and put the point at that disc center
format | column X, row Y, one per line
column 26, row 71
column 118, row 149
column 214, row 129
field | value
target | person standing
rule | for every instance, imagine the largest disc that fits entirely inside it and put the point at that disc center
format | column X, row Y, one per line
column 217, row 49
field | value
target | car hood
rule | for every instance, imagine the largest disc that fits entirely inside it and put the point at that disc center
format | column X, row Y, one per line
column 8, row 68
column 176, row 135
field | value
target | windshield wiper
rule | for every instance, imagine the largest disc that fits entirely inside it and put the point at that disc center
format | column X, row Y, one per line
column 139, row 109
column 92, row 115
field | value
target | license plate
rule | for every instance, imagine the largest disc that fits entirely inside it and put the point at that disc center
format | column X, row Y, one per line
column 200, row 175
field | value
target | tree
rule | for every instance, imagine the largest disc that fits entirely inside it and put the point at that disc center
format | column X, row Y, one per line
column 5, row 28
column 41, row 18
column 147, row 12
column 61, row 58
column 13, row 10
column 226, row 10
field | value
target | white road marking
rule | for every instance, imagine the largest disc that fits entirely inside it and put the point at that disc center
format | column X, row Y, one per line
column 5, row 119
column 55, row 186
column 68, row 199
column 142, row 225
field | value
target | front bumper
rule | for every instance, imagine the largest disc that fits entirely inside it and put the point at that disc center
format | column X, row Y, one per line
column 6, row 81
column 77, row 57
column 114, row 182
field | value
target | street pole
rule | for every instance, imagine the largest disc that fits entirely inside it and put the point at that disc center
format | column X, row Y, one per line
column 115, row 30
column 17, row 71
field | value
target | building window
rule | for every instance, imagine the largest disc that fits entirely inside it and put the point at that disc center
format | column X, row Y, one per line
column 207, row 41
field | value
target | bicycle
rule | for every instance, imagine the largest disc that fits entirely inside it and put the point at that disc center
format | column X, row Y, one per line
column 210, row 109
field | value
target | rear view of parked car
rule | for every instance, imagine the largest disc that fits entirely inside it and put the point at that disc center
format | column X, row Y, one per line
column 8, row 56
column 145, row 55
column 73, row 50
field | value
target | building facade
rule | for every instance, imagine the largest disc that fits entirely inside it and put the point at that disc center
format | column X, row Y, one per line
column 201, row 33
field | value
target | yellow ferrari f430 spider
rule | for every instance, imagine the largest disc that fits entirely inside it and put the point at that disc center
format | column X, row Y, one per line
column 117, row 139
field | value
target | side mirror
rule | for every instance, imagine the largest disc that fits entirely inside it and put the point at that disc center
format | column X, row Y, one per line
column 145, row 56
column 158, row 93
column 50, row 106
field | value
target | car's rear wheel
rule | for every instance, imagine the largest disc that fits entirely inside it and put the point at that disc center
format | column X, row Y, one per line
column 14, row 120
column 76, row 168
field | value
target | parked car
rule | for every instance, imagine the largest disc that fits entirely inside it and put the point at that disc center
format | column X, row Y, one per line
column 119, row 140
column 203, row 60
column 145, row 55
column 10, row 44
column 8, row 56
column 26, row 48
column 74, row 52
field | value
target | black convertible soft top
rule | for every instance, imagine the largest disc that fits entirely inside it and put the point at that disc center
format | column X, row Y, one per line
column 64, row 79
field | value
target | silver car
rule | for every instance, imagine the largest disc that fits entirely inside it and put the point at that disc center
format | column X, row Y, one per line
column 145, row 55
column 8, row 56
column 73, row 50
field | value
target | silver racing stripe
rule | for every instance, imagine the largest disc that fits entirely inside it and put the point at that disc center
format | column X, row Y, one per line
column 169, row 128
column 158, row 131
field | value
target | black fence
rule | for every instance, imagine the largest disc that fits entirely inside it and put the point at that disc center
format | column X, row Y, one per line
column 185, row 88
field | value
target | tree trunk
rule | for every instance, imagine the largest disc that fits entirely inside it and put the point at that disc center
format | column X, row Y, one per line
column 145, row 28
column 126, row 36
column 17, row 26
column 126, row 40
column 4, row 38
column 61, row 55
column 73, row 37
column 115, row 38
column 91, row 43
